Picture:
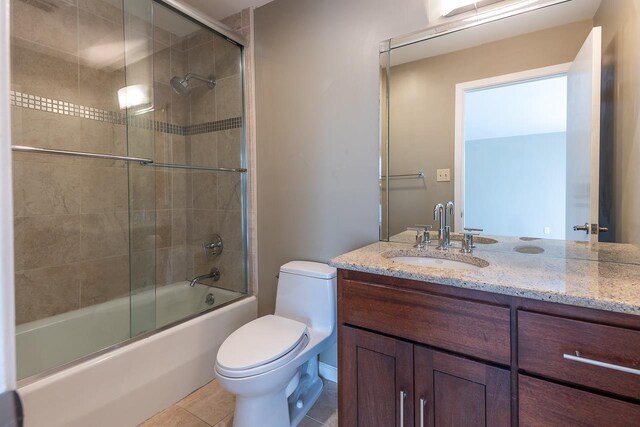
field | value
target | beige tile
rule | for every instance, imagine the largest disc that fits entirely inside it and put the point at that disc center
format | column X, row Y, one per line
column 46, row 292
column 229, row 147
column 104, row 9
column 205, row 190
column 180, row 109
column 229, row 192
column 325, row 409
column 143, row 270
column 104, row 235
column 228, row 98
column 161, row 36
column 46, row 189
column 233, row 21
column 309, row 422
column 178, row 42
column 162, row 151
column 48, row 130
column 142, row 228
column 203, row 149
column 140, row 72
column 179, row 63
column 230, row 226
column 211, row 403
column 163, row 228
column 227, row 58
column 174, row 416
column 103, row 189
column 180, row 264
column 232, row 272
column 203, row 224
column 142, row 181
column 163, row 266
column 56, row 28
column 246, row 17
column 100, row 42
column 104, row 279
column 104, row 138
column 163, row 189
column 199, row 37
column 162, row 102
column 99, row 87
column 43, row 71
column 179, row 148
column 201, row 61
column 179, row 181
column 203, row 104
column 162, row 63
column 45, row 241
column 178, row 227
column 226, row 422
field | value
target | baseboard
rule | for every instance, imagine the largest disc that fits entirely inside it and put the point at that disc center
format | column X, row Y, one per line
column 328, row 372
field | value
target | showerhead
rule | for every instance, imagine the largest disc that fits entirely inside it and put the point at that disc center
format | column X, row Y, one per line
column 180, row 85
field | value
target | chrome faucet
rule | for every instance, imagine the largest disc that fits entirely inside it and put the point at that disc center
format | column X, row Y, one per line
column 438, row 214
column 213, row 274
column 448, row 214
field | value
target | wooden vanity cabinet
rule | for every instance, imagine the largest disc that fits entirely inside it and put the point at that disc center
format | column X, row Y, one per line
column 391, row 382
column 420, row 354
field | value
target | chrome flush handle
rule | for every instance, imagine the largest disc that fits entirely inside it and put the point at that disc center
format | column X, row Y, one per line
column 402, row 396
column 423, row 403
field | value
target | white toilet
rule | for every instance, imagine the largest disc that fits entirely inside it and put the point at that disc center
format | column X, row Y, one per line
column 271, row 363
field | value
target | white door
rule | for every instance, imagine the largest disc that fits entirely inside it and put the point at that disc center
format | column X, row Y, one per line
column 583, row 139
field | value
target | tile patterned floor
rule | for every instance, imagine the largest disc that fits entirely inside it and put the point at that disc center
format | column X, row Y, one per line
column 212, row 406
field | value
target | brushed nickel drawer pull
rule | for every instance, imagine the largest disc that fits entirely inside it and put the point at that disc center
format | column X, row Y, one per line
column 578, row 358
column 423, row 403
column 402, row 396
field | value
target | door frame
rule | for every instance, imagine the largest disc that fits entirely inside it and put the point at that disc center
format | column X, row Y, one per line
column 464, row 87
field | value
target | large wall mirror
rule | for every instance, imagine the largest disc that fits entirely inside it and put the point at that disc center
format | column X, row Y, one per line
column 528, row 119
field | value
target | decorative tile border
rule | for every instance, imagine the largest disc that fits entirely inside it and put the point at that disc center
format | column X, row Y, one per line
column 233, row 123
column 34, row 102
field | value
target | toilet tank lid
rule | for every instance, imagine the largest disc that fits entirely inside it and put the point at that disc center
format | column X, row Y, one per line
column 310, row 269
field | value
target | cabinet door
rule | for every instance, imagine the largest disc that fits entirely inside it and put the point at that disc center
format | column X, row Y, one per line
column 376, row 380
column 456, row 392
column 546, row 404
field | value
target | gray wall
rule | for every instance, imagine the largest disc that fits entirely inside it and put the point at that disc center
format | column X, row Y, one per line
column 317, row 127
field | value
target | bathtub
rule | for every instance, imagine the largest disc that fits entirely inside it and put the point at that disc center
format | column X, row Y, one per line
column 125, row 385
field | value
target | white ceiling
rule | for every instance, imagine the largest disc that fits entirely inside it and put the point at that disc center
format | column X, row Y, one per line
column 220, row 9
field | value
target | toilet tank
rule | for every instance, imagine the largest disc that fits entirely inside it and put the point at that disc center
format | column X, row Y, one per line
column 307, row 293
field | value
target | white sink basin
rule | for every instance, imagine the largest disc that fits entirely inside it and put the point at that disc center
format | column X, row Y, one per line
column 424, row 261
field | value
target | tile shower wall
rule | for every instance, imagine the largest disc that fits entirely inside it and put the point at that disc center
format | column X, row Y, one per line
column 215, row 205
column 71, row 215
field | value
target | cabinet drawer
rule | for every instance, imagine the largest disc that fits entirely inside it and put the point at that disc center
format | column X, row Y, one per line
column 547, row 345
column 543, row 403
column 472, row 328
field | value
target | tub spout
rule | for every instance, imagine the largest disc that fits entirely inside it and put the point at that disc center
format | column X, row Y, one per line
column 213, row 274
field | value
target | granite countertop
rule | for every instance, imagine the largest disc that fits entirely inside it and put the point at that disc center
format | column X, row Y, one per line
column 566, row 272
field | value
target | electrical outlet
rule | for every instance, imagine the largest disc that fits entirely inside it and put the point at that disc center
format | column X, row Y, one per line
column 443, row 175
column 547, row 230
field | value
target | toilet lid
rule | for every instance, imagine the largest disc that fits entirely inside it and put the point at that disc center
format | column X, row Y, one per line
column 261, row 342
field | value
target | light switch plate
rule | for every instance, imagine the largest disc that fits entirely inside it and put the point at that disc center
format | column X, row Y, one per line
column 443, row 175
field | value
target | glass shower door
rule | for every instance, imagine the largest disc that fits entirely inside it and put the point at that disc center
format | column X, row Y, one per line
column 137, row 103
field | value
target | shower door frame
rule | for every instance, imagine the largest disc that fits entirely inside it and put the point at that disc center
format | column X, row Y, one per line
column 237, row 39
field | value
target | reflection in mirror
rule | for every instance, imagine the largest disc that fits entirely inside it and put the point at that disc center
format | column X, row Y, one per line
column 528, row 123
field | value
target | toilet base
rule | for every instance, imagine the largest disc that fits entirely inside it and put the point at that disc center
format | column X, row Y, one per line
column 277, row 409
column 307, row 392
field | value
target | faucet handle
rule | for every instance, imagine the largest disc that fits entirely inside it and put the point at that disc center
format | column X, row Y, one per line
column 473, row 229
column 467, row 241
column 423, row 236
column 424, row 226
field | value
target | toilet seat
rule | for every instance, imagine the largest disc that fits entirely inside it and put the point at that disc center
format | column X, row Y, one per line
column 261, row 346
